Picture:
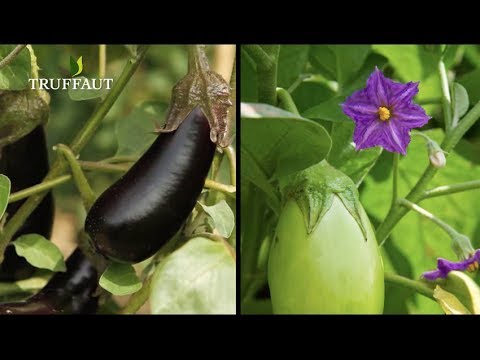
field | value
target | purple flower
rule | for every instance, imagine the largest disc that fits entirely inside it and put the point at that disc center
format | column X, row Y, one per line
column 384, row 113
column 445, row 266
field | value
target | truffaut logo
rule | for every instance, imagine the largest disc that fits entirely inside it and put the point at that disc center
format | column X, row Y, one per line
column 81, row 82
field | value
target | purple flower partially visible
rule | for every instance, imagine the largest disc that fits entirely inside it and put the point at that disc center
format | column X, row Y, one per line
column 384, row 113
column 445, row 266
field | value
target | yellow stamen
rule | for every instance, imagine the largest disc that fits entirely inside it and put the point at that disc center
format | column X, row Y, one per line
column 473, row 266
column 383, row 113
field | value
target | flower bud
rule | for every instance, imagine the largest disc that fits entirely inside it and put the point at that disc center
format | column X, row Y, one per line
column 436, row 155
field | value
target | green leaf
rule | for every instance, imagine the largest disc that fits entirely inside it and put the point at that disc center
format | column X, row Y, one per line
column 40, row 252
column 419, row 240
column 291, row 63
column 340, row 62
column 135, row 132
column 464, row 289
column 460, row 102
column 344, row 157
column 281, row 142
column 312, row 91
column 82, row 91
column 4, row 193
column 222, row 217
column 411, row 62
column 449, row 302
column 15, row 75
column 329, row 110
column 198, row 278
column 120, row 279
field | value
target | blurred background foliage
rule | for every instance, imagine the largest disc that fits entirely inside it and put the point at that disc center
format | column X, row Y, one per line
column 320, row 77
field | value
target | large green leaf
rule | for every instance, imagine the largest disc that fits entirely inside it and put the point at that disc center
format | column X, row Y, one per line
column 341, row 62
column 312, row 91
column 291, row 63
column 198, row 278
column 15, row 75
column 417, row 238
column 281, row 142
column 343, row 156
column 411, row 62
column 329, row 110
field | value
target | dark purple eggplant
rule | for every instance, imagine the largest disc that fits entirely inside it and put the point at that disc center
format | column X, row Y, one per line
column 140, row 212
column 25, row 162
column 69, row 292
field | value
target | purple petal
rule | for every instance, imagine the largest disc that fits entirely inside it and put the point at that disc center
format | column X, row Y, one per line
column 368, row 132
column 410, row 116
column 404, row 95
column 354, row 109
column 433, row 275
column 476, row 256
column 447, row 266
column 377, row 88
column 444, row 266
column 358, row 104
column 396, row 138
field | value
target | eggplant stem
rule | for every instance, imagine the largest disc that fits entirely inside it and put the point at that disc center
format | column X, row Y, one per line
column 86, row 192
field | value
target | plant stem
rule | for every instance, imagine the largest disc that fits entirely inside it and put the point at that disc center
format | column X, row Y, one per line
column 261, row 58
column 85, row 134
column 446, row 98
column 226, row 189
column 230, row 151
column 104, row 167
column 119, row 159
column 43, row 186
column 86, row 192
column 451, row 139
column 443, row 225
column 137, row 300
column 102, row 60
column 286, row 102
column 450, row 189
column 418, row 286
column 395, row 179
column 10, row 57
column 266, row 59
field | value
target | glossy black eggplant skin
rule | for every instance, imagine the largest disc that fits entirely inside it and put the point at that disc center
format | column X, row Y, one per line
column 139, row 213
column 26, row 163
column 70, row 292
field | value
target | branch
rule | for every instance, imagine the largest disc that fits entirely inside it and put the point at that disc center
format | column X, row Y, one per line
column 10, row 57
